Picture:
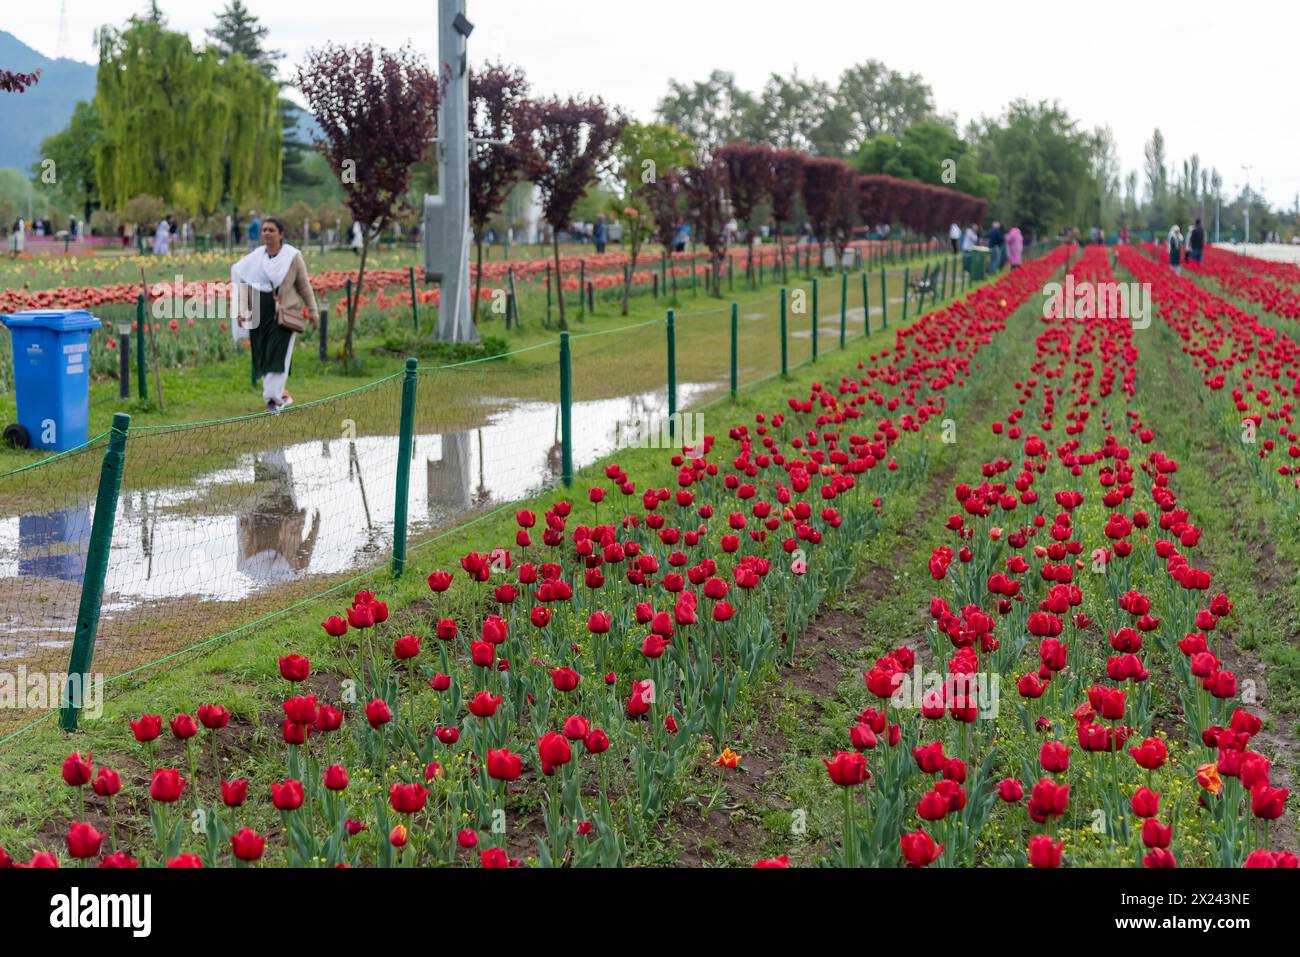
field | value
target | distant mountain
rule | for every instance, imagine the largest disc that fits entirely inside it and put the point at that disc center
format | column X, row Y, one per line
column 27, row 118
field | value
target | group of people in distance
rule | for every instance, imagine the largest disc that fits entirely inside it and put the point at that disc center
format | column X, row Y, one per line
column 1005, row 246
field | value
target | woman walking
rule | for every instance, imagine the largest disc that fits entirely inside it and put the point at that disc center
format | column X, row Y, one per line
column 1176, row 248
column 274, row 302
column 1015, row 247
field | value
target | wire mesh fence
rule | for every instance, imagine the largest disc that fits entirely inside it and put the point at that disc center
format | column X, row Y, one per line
column 225, row 522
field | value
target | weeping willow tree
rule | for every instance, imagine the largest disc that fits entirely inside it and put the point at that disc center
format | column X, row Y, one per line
column 185, row 125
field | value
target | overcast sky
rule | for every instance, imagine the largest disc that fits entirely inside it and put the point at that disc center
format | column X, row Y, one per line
column 1219, row 79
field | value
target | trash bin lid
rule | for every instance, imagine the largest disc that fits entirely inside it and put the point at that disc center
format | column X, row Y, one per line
column 60, row 320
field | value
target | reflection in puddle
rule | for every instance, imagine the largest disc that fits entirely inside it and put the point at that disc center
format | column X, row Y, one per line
column 315, row 508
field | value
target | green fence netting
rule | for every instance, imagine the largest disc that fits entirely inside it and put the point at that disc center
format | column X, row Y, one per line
column 224, row 524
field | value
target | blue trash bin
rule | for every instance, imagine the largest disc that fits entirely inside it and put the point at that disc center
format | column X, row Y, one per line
column 52, row 375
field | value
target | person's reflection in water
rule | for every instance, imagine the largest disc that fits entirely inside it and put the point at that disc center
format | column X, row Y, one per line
column 271, row 543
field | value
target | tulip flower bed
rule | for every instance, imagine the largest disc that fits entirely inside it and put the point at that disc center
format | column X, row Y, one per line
column 1251, row 366
column 1069, row 580
column 546, row 699
column 1240, row 276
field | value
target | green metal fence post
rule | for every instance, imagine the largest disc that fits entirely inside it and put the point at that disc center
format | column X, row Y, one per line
column 672, row 377
column 405, row 440
column 415, row 308
column 735, row 346
column 814, row 319
column 884, row 301
column 510, row 273
column 92, row 582
column 907, row 276
column 844, row 307
column 566, row 411
column 139, row 347
column 866, row 304
column 784, row 348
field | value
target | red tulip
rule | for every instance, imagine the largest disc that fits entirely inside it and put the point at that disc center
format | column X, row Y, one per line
column 76, row 770
column 234, row 793
column 214, row 717
column 247, row 844
column 502, row 765
column 1044, row 852
column 287, row 795
column 848, row 769
column 146, row 728
column 407, row 798
column 919, row 849
column 167, row 785
column 296, row 667
column 336, row 778
column 83, row 841
column 107, row 783
column 378, row 713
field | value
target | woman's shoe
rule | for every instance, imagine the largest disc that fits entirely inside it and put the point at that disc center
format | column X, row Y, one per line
column 285, row 399
column 272, row 405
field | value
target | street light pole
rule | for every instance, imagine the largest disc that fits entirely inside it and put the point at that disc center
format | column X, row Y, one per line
column 446, row 215
column 1247, row 168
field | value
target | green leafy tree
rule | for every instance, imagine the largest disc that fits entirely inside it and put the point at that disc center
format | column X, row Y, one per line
column 792, row 113
column 928, row 152
column 876, row 100
column 711, row 112
column 182, row 124
column 1040, row 159
column 644, row 152
column 239, row 31
column 72, row 151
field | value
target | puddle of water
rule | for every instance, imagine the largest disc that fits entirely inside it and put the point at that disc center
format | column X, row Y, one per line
column 315, row 508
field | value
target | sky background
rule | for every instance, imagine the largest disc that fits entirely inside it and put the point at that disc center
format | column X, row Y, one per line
column 1218, row 79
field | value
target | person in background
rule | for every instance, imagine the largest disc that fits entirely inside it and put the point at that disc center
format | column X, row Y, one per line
column 600, row 234
column 17, row 237
column 1123, row 235
column 969, row 240
column 254, row 230
column 1196, row 243
column 1094, row 235
column 996, row 246
column 1015, row 247
column 1175, row 242
column 162, row 237
column 357, row 239
column 682, row 239
column 273, row 302
column 954, row 237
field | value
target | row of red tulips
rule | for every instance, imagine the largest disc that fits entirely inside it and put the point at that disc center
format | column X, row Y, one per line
column 1073, row 575
column 1251, row 368
column 563, row 682
column 603, row 271
column 1241, row 276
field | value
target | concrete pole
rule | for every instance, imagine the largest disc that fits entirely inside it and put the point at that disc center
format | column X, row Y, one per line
column 446, row 216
